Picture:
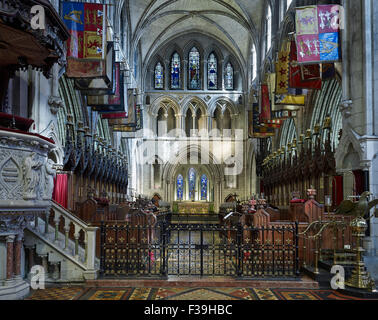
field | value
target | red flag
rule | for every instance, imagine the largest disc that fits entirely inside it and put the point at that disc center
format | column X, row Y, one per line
column 117, row 115
column 303, row 76
column 265, row 104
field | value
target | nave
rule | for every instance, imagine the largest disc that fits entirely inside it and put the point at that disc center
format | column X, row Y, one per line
column 224, row 146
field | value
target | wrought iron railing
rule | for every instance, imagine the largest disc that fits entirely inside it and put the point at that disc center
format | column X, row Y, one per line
column 198, row 250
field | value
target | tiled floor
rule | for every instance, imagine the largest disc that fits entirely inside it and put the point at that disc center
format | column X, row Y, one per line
column 89, row 293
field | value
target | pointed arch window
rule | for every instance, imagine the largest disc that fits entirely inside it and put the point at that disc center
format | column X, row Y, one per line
column 159, row 76
column 194, row 69
column 229, row 77
column 268, row 23
column 212, row 72
column 204, row 187
column 192, row 183
column 180, row 187
column 254, row 63
column 175, row 71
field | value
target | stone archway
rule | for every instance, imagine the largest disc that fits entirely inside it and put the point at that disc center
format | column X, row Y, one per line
column 178, row 164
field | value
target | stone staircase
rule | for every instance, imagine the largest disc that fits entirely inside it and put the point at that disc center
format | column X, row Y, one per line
column 63, row 259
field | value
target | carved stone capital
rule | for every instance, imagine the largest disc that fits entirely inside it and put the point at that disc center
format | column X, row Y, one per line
column 55, row 104
column 14, row 223
column 346, row 108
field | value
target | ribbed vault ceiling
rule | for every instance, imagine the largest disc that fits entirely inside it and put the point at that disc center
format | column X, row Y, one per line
column 234, row 22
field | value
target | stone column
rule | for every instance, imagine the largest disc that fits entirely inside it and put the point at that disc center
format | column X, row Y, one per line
column 179, row 124
column 194, row 124
column 221, row 124
column 169, row 194
column 91, row 273
column 30, row 259
column 234, row 118
column 207, row 123
column 17, row 257
column 45, row 264
column 56, row 274
column 10, row 258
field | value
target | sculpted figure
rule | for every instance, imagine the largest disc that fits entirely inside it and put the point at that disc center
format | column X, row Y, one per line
column 32, row 175
column 49, row 174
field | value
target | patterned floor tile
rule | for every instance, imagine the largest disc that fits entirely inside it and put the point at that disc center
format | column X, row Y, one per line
column 87, row 293
column 140, row 294
column 201, row 294
column 61, row 293
column 264, row 294
column 298, row 295
column 107, row 295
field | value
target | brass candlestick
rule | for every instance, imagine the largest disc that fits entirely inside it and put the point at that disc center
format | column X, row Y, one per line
column 360, row 278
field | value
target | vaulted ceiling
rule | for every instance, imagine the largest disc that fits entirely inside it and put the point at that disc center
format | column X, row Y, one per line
column 234, row 22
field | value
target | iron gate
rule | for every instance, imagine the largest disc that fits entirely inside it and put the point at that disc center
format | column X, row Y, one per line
column 198, row 250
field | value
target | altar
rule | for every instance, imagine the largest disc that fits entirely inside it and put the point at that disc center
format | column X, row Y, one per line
column 187, row 207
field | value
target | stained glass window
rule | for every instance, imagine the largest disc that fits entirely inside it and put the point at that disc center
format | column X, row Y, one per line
column 212, row 72
column 159, row 76
column 229, row 77
column 192, row 183
column 194, row 69
column 175, row 71
column 204, row 187
column 180, row 187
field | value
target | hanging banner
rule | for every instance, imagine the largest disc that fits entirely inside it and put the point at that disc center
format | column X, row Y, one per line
column 303, row 76
column 255, row 129
column 328, row 71
column 109, row 103
column 282, row 69
column 86, row 23
column 116, row 115
column 119, row 123
column 329, row 46
column 85, row 68
column 317, row 35
column 294, row 100
column 265, row 104
column 284, row 114
column 329, row 18
column 306, row 20
column 274, row 123
column 101, row 84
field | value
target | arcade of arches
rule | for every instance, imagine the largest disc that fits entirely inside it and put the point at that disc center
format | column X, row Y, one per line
column 175, row 123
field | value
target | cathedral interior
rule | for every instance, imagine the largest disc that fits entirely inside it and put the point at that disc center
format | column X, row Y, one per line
column 151, row 146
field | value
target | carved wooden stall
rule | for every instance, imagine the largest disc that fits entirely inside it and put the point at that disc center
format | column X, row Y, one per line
column 93, row 165
column 306, row 163
column 321, row 236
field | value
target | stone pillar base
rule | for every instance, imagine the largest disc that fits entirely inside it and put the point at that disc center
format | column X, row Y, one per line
column 90, row 275
column 9, row 282
column 16, row 291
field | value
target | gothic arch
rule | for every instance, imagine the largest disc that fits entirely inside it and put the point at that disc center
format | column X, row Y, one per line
column 178, row 164
column 228, row 103
column 201, row 105
column 189, row 46
column 163, row 101
column 348, row 138
column 214, row 48
column 52, row 133
column 181, row 157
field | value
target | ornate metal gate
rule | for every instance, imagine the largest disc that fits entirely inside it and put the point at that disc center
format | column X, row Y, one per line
column 199, row 250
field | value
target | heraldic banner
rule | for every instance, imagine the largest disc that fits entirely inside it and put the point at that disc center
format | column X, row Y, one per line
column 87, row 25
column 317, row 35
